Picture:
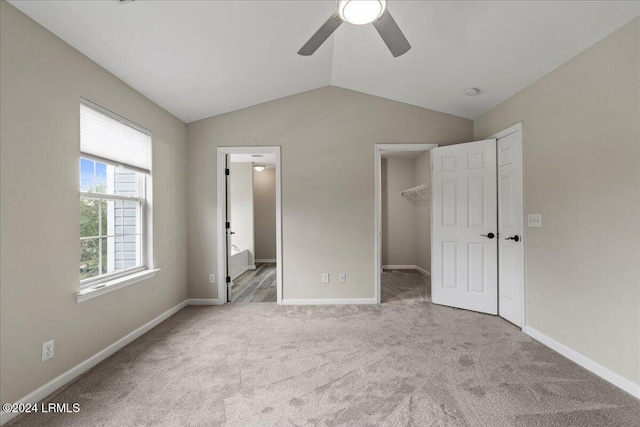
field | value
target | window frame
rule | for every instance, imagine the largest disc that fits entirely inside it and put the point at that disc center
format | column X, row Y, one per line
column 97, row 285
column 141, row 179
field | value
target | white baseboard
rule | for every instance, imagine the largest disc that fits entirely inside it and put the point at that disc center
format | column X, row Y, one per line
column 423, row 271
column 265, row 260
column 251, row 267
column 53, row 385
column 341, row 301
column 398, row 267
column 407, row 267
column 604, row 373
column 204, row 301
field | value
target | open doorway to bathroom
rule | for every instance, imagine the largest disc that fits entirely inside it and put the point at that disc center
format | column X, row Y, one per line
column 249, row 224
column 403, row 216
column 252, row 206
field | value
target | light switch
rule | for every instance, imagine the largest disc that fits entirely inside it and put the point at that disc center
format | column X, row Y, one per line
column 534, row 220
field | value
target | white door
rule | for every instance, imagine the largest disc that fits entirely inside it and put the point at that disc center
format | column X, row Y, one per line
column 464, row 257
column 510, row 228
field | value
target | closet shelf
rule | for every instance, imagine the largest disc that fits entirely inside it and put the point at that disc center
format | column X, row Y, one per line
column 418, row 195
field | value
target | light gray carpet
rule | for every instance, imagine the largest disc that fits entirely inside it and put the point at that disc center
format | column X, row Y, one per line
column 394, row 364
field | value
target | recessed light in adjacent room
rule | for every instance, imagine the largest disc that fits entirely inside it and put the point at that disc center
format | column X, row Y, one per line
column 472, row 91
column 258, row 168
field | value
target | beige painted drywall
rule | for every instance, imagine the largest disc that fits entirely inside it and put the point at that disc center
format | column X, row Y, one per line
column 241, row 204
column 264, row 208
column 422, row 175
column 327, row 138
column 41, row 82
column 581, row 159
column 399, row 219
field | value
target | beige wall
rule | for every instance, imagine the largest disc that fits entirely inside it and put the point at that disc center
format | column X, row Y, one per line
column 399, row 218
column 42, row 80
column 422, row 175
column 241, row 204
column 327, row 138
column 581, row 155
column 264, row 208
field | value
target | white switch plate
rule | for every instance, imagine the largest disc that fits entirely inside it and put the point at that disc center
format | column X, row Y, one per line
column 534, row 220
column 47, row 350
column 212, row 278
column 342, row 277
column 325, row 277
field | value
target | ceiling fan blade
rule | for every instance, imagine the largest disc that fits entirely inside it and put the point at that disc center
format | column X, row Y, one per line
column 321, row 35
column 391, row 34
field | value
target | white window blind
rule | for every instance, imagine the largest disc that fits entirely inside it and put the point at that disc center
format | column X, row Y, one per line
column 107, row 137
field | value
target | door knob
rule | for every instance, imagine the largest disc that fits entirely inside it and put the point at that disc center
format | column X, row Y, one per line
column 232, row 232
column 515, row 238
column 490, row 235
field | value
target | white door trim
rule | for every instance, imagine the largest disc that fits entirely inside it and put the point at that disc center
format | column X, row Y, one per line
column 221, row 232
column 377, row 234
column 511, row 130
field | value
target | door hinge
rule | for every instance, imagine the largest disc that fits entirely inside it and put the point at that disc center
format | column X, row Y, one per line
column 227, row 225
column 228, row 280
column 226, row 171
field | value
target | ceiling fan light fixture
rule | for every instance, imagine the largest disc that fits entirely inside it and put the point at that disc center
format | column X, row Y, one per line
column 361, row 12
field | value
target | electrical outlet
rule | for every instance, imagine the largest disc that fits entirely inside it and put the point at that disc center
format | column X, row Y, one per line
column 534, row 220
column 47, row 350
column 212, row 278
column 325, row 277
column 342, row 277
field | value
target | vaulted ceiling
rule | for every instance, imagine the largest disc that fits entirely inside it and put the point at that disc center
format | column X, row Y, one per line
column 198, row 59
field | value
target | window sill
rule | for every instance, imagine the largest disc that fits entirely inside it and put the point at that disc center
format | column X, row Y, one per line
column 112, row 285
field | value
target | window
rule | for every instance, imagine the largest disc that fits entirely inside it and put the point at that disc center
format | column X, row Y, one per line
column 114, row 169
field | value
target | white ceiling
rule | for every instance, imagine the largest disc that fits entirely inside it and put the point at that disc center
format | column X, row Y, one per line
column 203, row 58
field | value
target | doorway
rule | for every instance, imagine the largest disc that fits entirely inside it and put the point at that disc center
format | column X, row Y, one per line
column 476, row 227
column 402, row 217
column 249, row 224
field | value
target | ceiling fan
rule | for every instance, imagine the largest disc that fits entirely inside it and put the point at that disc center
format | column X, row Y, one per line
column 361, row 12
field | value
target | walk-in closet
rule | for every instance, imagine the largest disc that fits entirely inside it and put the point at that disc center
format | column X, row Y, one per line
column 406, row 224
